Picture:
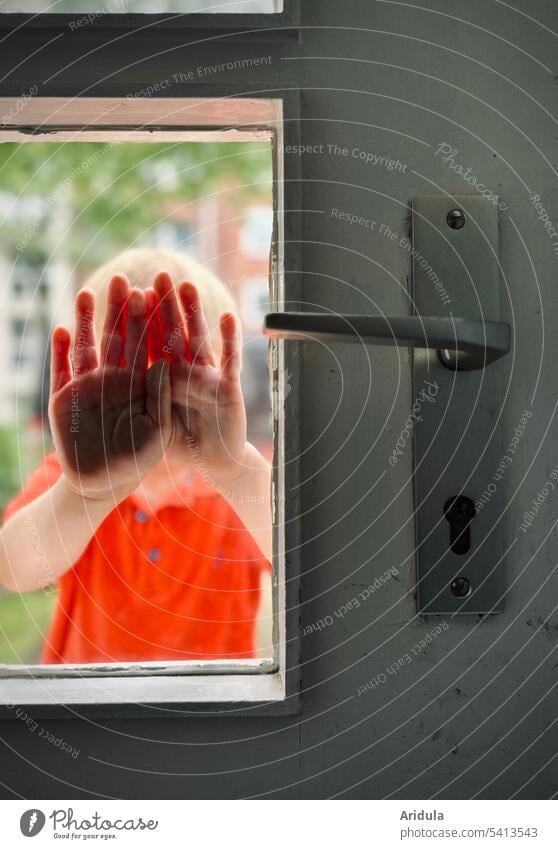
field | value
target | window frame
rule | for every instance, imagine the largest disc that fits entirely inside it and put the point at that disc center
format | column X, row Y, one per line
column 242, row 23
column 261, row 686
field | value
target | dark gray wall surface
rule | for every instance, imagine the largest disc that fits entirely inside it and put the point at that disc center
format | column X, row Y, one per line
column 473, row 714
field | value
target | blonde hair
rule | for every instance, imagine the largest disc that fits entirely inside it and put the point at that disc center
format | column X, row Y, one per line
column 141, row 266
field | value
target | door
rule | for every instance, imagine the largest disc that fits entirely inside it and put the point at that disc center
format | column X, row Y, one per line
column 397, row 101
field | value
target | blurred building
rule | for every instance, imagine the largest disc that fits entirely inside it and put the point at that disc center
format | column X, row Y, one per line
column 34, row 296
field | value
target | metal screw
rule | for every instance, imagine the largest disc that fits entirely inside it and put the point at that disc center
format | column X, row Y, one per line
column 461, row 587
column 456, row 219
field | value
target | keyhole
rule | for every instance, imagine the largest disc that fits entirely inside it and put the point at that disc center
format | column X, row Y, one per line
column 459, row 512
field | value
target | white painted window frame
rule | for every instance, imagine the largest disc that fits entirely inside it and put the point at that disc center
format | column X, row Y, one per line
column 268, row 685
column 288, row 18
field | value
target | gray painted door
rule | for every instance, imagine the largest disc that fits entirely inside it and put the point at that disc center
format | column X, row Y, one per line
column 471, row 711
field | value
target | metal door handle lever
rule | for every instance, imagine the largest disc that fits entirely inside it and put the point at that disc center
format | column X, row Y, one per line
column 462, row 343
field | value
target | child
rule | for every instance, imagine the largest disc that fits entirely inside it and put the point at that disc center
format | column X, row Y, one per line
column 153, row 514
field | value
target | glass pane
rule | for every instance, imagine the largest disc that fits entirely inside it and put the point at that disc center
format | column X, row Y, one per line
column 67, row 209
column 100, row 7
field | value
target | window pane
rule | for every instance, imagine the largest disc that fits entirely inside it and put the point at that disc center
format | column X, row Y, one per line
column 67, row 209
column 99, row 7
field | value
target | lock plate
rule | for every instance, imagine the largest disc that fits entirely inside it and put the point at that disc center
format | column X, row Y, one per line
column 457, row 431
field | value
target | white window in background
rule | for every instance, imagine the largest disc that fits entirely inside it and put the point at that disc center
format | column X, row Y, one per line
column 255, row 234
column 175, row 236
column 29, row 209
column 22, row 280
column 26, row 345
column 85, row 7
column 27, row 283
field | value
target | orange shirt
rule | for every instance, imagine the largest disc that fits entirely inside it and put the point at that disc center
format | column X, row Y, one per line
column 182, row 583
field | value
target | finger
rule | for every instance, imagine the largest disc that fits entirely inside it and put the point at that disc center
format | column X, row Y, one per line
column 85, row 345
column 172, row 322
column 158, row 397
column 198, row 331
column 153, row 348
column 136, row 332
column 112, row 340
column 230, row 353
column 155, row 328
column 60, row 365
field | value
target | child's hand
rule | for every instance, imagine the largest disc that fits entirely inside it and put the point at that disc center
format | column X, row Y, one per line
column 111, row 422
column 209, row 417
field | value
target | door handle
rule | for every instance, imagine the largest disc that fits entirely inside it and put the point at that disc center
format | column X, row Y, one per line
column 462, row 343
column 458, row 441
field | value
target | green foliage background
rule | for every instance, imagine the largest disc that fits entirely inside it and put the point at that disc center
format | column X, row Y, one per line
column 117, row 192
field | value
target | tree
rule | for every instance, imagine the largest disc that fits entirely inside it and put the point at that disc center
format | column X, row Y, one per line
column 114, row 194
